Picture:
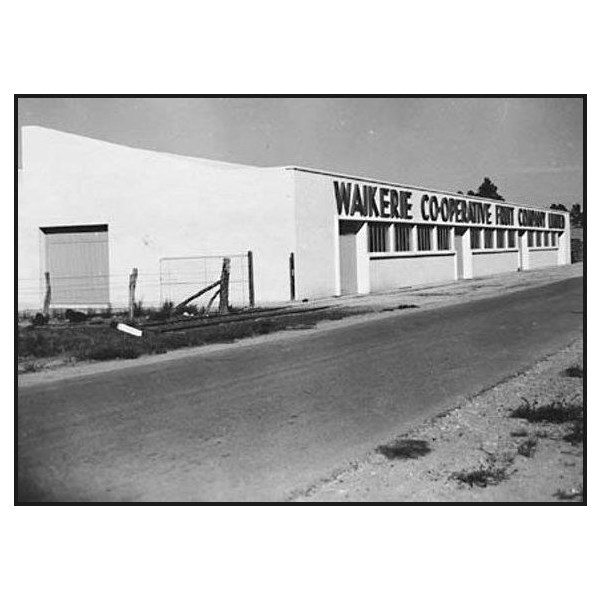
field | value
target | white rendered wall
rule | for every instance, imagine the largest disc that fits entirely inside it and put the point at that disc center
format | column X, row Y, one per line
column 317, row 244
column 156, row 205
column 539, row 258
column 490, row 263
column 396, row 272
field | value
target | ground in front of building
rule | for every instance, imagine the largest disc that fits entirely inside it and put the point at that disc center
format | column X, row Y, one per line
column 521, row 441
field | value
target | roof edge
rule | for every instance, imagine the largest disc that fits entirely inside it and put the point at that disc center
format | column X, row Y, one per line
column 413, row 187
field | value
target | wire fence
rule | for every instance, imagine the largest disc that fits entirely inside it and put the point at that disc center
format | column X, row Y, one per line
column 180, row 277
column 176, row 279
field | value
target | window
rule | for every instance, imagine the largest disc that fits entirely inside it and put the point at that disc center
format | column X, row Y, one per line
column 511, row 238
column 475, row 238
column 538, row 239
column 554, row 238
column 424, row 237
column 402, row 235
column 378, row 237
column 488, row 238
column 500, row 238
column 443, row 238
column 530, row 239
column 546, row 238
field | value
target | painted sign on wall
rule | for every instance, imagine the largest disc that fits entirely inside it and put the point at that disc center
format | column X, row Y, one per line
column 364, row 201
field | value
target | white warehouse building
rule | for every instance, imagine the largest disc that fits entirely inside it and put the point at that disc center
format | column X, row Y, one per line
column 91, row 211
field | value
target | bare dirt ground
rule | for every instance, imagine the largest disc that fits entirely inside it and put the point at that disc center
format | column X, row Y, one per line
column 478, row 452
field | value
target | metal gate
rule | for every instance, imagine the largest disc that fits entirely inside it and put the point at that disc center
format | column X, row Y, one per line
column 182, row 276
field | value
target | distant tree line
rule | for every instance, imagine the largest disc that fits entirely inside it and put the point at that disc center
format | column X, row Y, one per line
column 575, row 213
column 489, row 190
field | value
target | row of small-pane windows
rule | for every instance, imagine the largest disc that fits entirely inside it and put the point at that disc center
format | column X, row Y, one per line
column 487, row 238
column 542, row 239
column 504, row 238
column 378, row 238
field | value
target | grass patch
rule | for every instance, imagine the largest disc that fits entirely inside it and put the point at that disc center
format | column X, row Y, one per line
column 556, row 412
column 102, row 342
column 403, row 449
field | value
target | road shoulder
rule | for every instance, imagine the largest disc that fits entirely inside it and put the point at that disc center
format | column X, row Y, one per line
column 478, row 452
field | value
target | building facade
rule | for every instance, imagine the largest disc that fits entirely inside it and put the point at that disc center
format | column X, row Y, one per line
column 90, row 211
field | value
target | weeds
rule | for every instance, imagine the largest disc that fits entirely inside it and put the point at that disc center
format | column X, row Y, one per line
column 527, row 447
column 492, row 471
column 489, row 474
column 558, row 412
column 575, row 371
column 86, row 342
column 404, row 449
column 575, row 436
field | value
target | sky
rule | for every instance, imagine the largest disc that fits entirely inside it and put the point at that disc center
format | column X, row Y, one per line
column 531, row 148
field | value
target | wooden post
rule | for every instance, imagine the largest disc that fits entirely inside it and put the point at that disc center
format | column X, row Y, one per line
column 212, row 299
column 224, row 296
column 292, row 277
column 132, row 282
column 251, row 278
column 47, row 295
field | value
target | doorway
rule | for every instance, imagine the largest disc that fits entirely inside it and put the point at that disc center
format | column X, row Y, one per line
column 349, row 256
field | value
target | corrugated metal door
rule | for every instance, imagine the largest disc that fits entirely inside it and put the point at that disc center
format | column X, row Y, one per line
column 77, row 260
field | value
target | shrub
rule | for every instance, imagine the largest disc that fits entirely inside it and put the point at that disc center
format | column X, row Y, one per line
column 555, row 412
column 404, row 449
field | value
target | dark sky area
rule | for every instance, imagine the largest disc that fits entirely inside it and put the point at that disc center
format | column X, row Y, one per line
column 531, row 148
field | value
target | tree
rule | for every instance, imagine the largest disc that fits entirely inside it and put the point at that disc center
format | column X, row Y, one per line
column 488, row 190
column 559, row 207
column 576, row 215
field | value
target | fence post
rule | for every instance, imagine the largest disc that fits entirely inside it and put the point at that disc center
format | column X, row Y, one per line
column 132, row 283
column 224, row 295
column 251, row 278
column 47, row 295
column 292, row 277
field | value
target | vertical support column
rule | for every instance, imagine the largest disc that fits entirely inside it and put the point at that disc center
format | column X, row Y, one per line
column 523, row 251
column 457, row 262
column 363, row 273
column 564, row 246
column 464, row 254
column 434, row 241
column 414, row 240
